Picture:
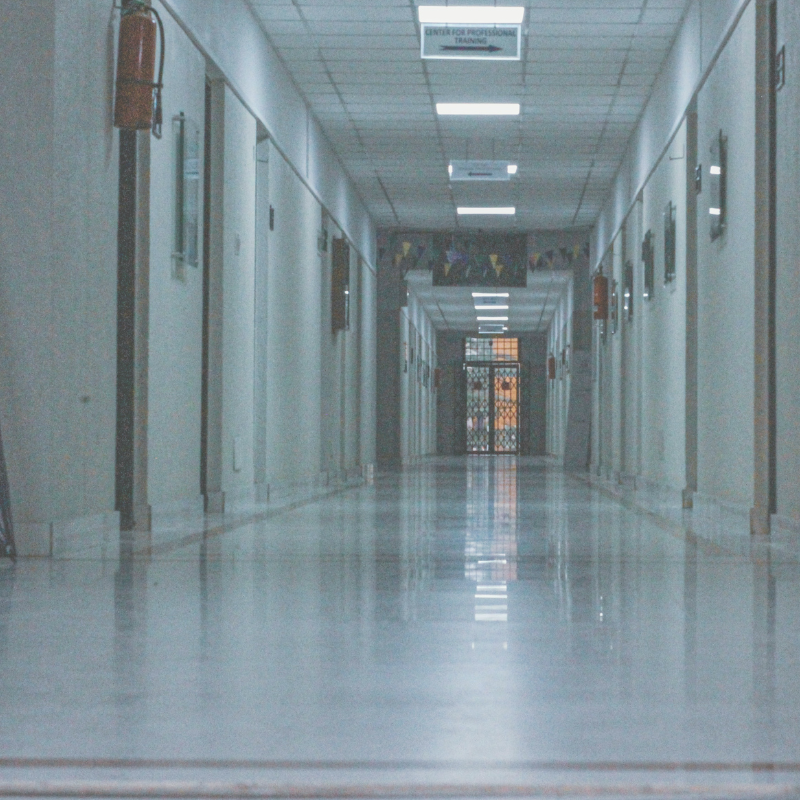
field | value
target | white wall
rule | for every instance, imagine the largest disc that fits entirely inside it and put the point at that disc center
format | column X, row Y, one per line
column 238, row 303
column 788, row 274
column 58, row 201
column 417, row 403
column 58, row 276
column 559, row 339
column 640, row 371
column 231, row 37
column 725, row 278
column 294, row 447
column 664, row 328
column 175, row 296
column 703, row 32
column 368, row 368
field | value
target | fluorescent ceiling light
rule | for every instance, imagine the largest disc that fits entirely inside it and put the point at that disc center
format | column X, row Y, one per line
column 490, row 294
column 491, row 308
column 507, row 210
column 512, row 169
column 502, row 15
column 492, row 319
column 480, row 109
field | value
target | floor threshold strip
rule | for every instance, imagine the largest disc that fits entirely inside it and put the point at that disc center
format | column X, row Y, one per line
column 173, row 790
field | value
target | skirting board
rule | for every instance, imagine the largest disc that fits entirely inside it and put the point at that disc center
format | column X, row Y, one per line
column 95, row 535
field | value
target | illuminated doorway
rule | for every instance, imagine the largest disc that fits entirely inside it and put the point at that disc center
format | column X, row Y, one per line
column 491, row 371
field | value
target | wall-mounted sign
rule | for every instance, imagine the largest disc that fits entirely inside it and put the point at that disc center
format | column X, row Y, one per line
column 480, row 171
column 492, row 42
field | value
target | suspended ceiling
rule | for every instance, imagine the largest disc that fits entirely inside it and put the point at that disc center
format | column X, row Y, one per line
column 587, row 69
column 452, row 308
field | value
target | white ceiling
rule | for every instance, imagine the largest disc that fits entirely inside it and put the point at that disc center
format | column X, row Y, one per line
column 587, row 70
column 530, row 309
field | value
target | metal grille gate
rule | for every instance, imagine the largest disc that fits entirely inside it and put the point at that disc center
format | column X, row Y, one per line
column 492, row 407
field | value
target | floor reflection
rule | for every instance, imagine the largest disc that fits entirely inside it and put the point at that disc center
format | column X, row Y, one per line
column 490, row 546
column 476, row 608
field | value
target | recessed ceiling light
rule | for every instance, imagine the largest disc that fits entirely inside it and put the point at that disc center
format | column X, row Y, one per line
column 491, row 308
column 502, row 15
column 490, row 294
column 512, row 169
column 492, row 319
column 478, row 109
column 508, row 210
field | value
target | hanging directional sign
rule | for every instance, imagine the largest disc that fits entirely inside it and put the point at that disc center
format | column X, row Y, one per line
column 485, row 42
column 479, row 171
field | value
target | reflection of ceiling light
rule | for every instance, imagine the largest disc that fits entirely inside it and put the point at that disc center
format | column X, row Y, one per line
column 512, row 169
column 503, row 15
column 714, row 212
column 490, row 294
column 479, row 109
column 507, row 210
column 492, row 319
column 491, row 308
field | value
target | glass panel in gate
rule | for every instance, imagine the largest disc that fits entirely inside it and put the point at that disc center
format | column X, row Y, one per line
column 478, row 408
column 506, row 408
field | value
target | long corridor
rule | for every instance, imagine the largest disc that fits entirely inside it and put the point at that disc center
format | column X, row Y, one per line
column 470, row 621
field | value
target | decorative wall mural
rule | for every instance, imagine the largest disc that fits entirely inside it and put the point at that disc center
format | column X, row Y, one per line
column 480, row 259
column 558, row 257
column 461, row 259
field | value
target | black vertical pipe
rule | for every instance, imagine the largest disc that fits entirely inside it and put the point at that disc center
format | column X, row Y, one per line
column 492, row 408
column 7, row 547
column 126, row 340
column 206, row 295
column 773, row 259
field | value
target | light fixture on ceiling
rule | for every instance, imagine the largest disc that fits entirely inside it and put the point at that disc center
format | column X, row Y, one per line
column 491, row 308
column 492, row 319
column 478, row 109
column 490, row 294
column 504, row 210
column 482, row 15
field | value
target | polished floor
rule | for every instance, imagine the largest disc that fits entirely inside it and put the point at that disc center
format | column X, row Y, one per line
column 475, row 622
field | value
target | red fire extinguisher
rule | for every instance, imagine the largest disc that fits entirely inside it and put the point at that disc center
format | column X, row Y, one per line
column 600, row 296
column 137, row 102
